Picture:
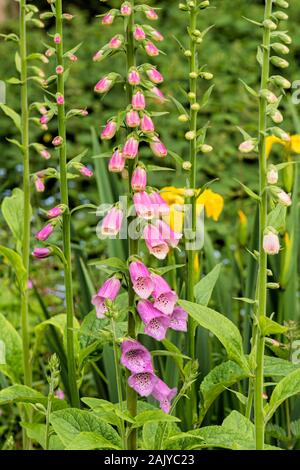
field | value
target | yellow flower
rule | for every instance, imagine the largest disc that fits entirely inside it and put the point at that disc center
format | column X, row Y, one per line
column 287, row 240
column 270, row 141
column 242, row 217
column 172, row 195
column 295, row 143
column 212, row 202
column 175, row 218
column 293, row 146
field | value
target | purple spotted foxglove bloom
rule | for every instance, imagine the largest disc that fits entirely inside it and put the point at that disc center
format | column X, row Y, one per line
column 138, row 101
column 54, row 212
column 133, row 119
column 115, row 42
column 135, row 357
column 109, row 131
column 139, row 179
column 151, row 49
column 112, row 222
column 162, row 393
column 131, row 148
column 179, row 319
column 155, row 322
column 155, row 76
column 151, row 14
column 171, row 237
column 117, row 162
column 44, row 233
column 143, row 383
column 134, row 78
column 147, row 124
column 41, row 253
column 108, row 291
column 164, row 297
column 143, row 205
column 158, row 148
column 141, row 279
column 161, row 207
column 139, row 34
column 155, row 243
column 104, row 85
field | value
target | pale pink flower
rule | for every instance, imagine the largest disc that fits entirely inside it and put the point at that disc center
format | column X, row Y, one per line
column 155, row 243
column 39, row 184
column 109, row 131
column 161, row 207
column 54, row 212
column 158, row 148
column 85, row 171
column 57, row 141
column 117, row 162
column 134, row 78
column 164, row 298
column 135, row 357
column 138, row 101
column 104, row 85
column 143, row 383
column 44, row 233
column 151, row 14
column 159, row 96
column 171, row 237
column 151, row 49
column 60, row 100
column 141, row 279
column 112, row 222
column 41, row 253
column 143, row 205
column 156, row 35
column 108, row 291
column 59, row 69
column 131, row 148
column 179, row 319
column 115, row 42
column 271, row 243
column 108, row 19
column 133, row 119
column 139, row 179
column 98, row 56
column 57, row 39
column 156, row 323
column 45, row 154
column 284, row 198
column 126, row 9
column 154, row 75
column 164, row 395
column 139, row 33
column 147, row 125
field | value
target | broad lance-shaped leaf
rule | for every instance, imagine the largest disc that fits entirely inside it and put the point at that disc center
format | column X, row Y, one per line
column 23, row 394
column 11, row 363
column 69, row 423
column 277, row 368
column 37, row 432
column 153, row 416
column 12, row 115
column 16, row 261
column 90, row 441
column 221, row 327
column 204, row 288
column 286, row 388
column 12, row 209
column 216, row 381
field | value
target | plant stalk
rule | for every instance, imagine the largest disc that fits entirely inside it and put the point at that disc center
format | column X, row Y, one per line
column 262, row 273
column 66, row 223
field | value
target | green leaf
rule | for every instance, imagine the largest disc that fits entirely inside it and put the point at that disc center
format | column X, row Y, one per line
column 153, row 416
column 205, row 98
column 69, row 423
column 37, row 432
column 152, row 168
column 259, row 56
column 167, row 269
column 115, row 264
column 286, row 388
column 60, row 324
column 22, row 394
column 13, row 209
column 18, row 62
column 221, row 327
column 181, row 109
column 270, row 327
column 249, row 191
column 249, row 89
column 90, row 441
column 16, row 261
column 204, row 289
column 12, row 356
column 277, row 218
column 12, row 115
column 176, row 157
column 277, row 367
column 13, row 81
column 215, row 382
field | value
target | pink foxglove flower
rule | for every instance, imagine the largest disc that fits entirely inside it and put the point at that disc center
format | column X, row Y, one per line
column 45, row 154
column 155, row 322
column 159, row 96
column 85, row 171
column 59, row 70
column 135, row 357
column 271, row 243
column 104, row 85
column 161, row 207
column 139, row 34
column 116, row 42
column 138, row 101
column 117, row 162
column 57, row 39
column 131, row 148
column 44, row 120
column 108, row 19
column 133, row 119
column 41, row 253
column 109, row 131
column 98, row 56
column 272, row 175
column 143, row 205
column 151, row 14
column 139, row 179
column 179, row 319
column 156, row 35
column 155, row 243
column 109, row 291
column 57, row 141
column 134, row 78
column 171, row 237
column 72, row 57
column 141, row 279
column 158, row 148
column 247, row 146
column 126, row 9
column 284, row 198
column 151, row 49
column 154, row 75
column 164, row 298
column 112, row 222
column 162, row 393
column 45, row 233
column 60, row 395
column 147, row 124
column 143, row 383
column 54, row 212
column 60, row 100
column 39, row 184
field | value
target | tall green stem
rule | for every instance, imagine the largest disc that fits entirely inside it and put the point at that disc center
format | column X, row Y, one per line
column 133, row 244
column 262, row 274
column 26, row 200
column 66, row 225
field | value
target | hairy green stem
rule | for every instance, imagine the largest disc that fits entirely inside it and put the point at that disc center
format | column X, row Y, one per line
column 26, row 202
column 66, row 224
column 133, row 244
column 262, row 273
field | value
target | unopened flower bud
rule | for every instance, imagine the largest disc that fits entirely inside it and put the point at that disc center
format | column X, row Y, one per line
column 57, row 39
column 199, row 40
column 247, row 146
column 280, row 15
column 191, row 96
column 269, row 24
column 271, row 244
column 281, row 134
column 193, row 75
column 188, row 53
column 282, row 3
column 190, row 135
column 204, row 4
column 269, row 96
column 187, row 166
column 207, row 76
column 276, row 116
column 280, row 48
column 206, row 148
column 272, row 175
column 195, row 106
column 284, row 37
column 183, row 118
column 281, row 81
column 279, row 62
column 284, row 198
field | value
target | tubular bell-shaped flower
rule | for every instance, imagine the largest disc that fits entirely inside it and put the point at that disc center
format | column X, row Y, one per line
column 108, row 291
column 141, row 279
